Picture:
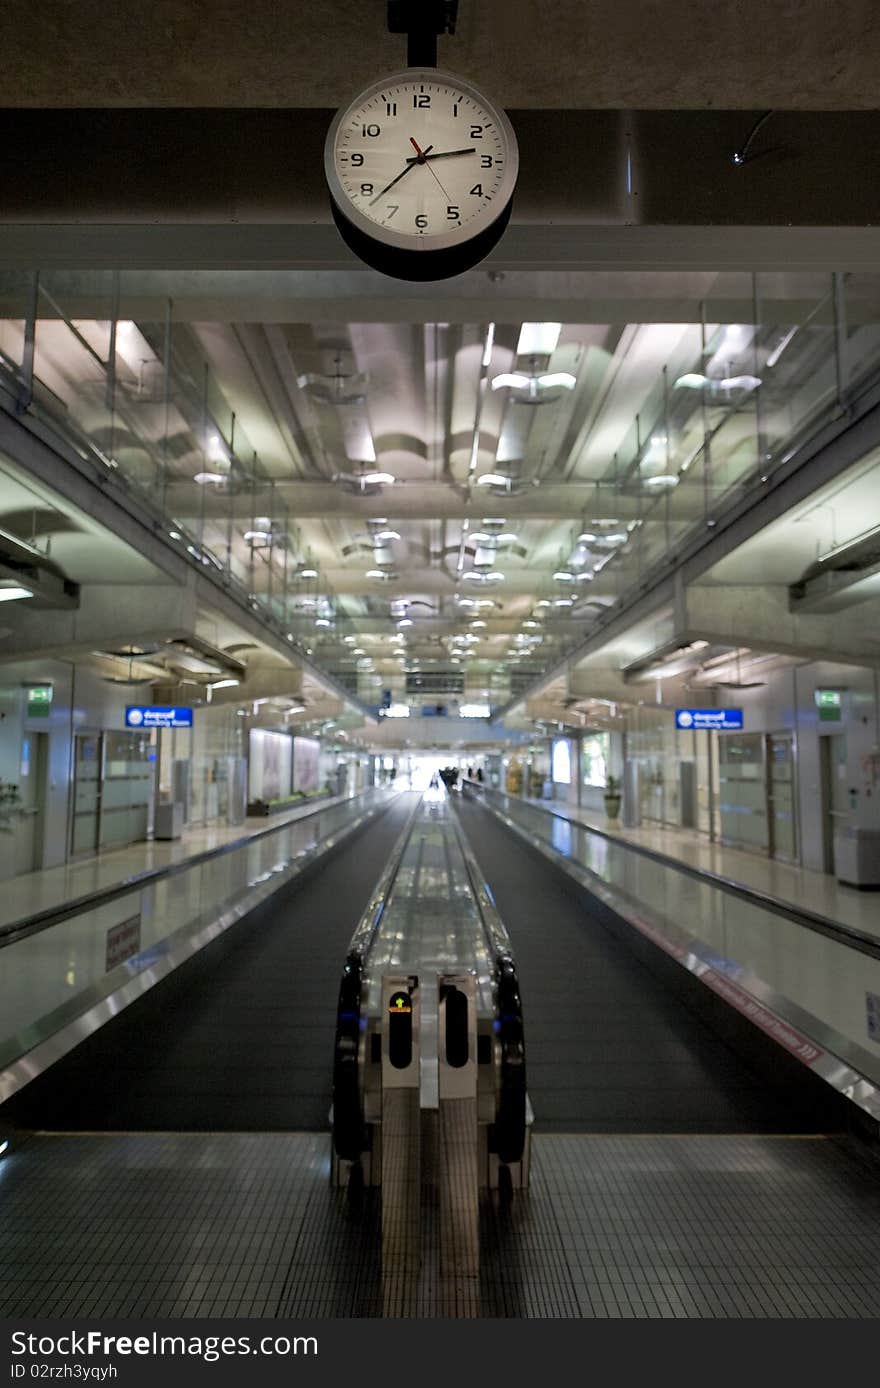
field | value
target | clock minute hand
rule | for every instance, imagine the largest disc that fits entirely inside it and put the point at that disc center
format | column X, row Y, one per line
column 398, row 177
column 441, row 154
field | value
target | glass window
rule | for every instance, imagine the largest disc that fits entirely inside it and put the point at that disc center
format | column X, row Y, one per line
column 594, row 759
column 562, row 762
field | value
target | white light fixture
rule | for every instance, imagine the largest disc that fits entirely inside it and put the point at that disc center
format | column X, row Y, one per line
column 493, row 479
column 693, row 380
column 661, row 482
column 322, row 621
column 474, row 710
column 307, row 573
column 538, row 339
column 395, row 711
column 14, row 593
column 479, row 623
column 383, row 536
column 258, row 535
column 349, row 640
column 530, row 623
column 552, row 380
column 489, row 344
column 223, row 684
column 210, row 478
column 375, row 573
column 781, row 346
column 405, row 622
column 377, row 479
column 563, row 576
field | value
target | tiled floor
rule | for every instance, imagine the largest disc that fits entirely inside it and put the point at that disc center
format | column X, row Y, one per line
column 614, row 1226
column 39, row 891
column 813, row 891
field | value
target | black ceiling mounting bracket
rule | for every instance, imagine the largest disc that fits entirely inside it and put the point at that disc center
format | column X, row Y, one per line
column 422, row 21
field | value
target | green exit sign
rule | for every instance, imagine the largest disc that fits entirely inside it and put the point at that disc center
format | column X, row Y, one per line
column 828, row 702
column 39, row 700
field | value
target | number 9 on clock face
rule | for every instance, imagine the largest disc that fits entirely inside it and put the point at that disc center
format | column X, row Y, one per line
column 421, row 162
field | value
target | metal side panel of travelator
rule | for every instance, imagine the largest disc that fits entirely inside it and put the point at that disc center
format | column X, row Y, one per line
column 427, row 1030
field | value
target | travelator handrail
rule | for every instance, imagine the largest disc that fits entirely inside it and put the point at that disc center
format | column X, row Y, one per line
column 349, row 1127
column 507, row 1134
column 19, row 929
column 811, row 920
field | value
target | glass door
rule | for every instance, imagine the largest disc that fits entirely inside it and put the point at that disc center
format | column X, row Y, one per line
column 781, row 796
column 86, row 794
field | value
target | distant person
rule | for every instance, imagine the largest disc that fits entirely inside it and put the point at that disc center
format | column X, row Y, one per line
column 434, row 782
column 480, row 774
column 470, row 773
column 392, row 775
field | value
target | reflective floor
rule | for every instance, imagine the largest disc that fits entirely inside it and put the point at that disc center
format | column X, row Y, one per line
column 32, row 892
column 813, row 891
column 248, row 1225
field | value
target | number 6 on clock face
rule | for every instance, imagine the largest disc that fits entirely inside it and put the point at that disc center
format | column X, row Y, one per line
column 423, row 164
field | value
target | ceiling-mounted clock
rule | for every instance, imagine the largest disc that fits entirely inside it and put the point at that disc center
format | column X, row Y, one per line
column 421, row 168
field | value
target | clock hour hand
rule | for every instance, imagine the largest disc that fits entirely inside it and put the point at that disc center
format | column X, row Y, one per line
column 398, row 177
column 441, row 154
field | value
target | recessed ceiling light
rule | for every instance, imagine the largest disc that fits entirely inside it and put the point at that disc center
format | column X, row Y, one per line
column 14, row 593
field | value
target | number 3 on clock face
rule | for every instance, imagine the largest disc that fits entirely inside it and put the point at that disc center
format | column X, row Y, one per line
column 421, row 162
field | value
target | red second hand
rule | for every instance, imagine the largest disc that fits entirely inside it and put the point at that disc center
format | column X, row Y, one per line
column 417, row 150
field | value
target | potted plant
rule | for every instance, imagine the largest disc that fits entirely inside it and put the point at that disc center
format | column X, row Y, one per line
column 612, row 798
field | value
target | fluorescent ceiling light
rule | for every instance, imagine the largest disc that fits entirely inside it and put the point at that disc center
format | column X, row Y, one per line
column 322, row 621
column 490, row 342
column 493, row 479
column 479, row 623
column 662, row 482
column 375, row 573
column 474, row 710
column 224, row 684
column 563, row 576
column 258, row 534
column 307, row 573
column 377, row 478
column 781, row 346
column 205, row 478
column 405, row 622
column 349, row 640
column 538, row 339
column 383, row 536
column 395, row 711
column 14, row 593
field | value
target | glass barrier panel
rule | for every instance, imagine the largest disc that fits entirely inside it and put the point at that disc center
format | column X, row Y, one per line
column 751, row 946
column 49, row 978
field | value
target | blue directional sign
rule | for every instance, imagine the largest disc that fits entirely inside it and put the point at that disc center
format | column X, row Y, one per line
column 721, row 720
column 157, row 716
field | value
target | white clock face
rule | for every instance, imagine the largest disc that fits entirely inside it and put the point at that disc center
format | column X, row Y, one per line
column 421, row 160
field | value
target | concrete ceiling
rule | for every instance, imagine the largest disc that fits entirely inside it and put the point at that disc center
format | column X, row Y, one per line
column 573, row 53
